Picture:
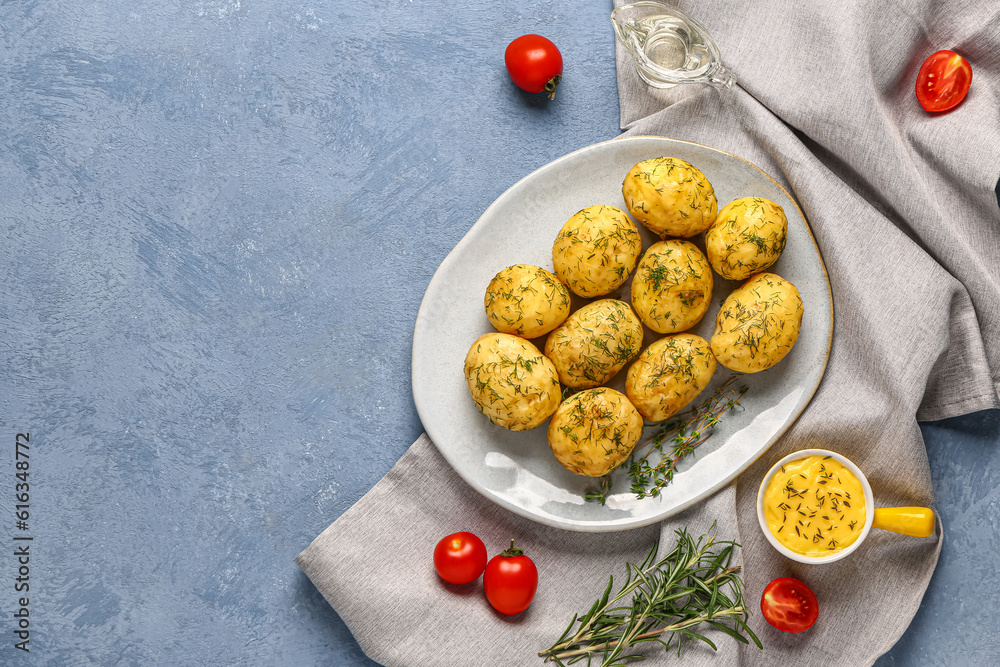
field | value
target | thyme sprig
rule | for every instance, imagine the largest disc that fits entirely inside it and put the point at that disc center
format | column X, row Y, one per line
column 652, row 464
column 694, row 584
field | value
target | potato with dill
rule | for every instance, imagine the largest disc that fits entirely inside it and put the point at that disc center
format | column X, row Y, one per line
column 758, row 324
column 526, row 300
column 593, row 431
column 670, row 196
column 672, row 287
column 596, row 250
column 594, row 343
column 511, row 382
column 747, row 237
column 669, row 374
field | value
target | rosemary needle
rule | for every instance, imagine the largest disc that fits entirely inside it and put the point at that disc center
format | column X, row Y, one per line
column 694, row 584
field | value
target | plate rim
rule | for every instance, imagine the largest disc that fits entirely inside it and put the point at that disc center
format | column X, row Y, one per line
column 612, row 526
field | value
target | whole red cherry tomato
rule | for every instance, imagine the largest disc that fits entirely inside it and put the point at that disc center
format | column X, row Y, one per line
column 460, row 558
column 534, row 64
column 510, row 581
column 943, row 81
column 789, row 605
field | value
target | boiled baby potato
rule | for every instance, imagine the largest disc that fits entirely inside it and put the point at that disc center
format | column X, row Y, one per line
column 596, row 250
column 594, row 343
column 526, row 300
column 672, row 287
column 670, row 196
column 668, row 375
column 758, row 324
column 593, row 431
column 747, row 237
column 511, row 382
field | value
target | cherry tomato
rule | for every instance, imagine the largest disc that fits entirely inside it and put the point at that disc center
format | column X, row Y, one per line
column 943, row 81
column 460, row 558
column 534, row 64
column 510, row 581
column 789, row 605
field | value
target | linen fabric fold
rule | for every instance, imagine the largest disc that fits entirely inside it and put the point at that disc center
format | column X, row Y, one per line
column 902, row 205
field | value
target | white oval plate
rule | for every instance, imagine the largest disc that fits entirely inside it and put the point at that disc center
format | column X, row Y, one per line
column 517, row 469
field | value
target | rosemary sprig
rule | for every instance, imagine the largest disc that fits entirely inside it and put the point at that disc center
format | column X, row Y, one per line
column 671, row 596
column 653, row 463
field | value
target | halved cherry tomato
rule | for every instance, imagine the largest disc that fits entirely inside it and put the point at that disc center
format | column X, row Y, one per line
column 510, row 581
column 534, row 64
column 789, row 605
column 943, row 81
column 460, row 558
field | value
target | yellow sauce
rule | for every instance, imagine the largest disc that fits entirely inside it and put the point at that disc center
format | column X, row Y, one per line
column 815, row 506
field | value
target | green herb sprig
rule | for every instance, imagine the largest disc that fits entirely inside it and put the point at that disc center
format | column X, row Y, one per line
column 694, row 584
column 652, row 464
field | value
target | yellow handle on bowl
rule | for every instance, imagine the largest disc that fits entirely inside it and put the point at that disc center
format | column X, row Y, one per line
column 915, row 521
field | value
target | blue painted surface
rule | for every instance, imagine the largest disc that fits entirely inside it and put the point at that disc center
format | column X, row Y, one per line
column 217, row 220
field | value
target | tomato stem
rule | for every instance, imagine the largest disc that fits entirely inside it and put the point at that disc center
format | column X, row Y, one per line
column 512, row 551
column 550, row 87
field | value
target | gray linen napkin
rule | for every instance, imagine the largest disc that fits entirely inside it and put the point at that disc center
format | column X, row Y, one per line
column 902, row 205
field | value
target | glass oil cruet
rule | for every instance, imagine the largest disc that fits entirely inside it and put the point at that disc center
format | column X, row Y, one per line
column 668, row 46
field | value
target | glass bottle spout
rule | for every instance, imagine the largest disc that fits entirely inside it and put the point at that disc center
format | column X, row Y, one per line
column 721, row 78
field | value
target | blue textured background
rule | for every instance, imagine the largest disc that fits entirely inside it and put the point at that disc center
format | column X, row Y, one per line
column 217, row 220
